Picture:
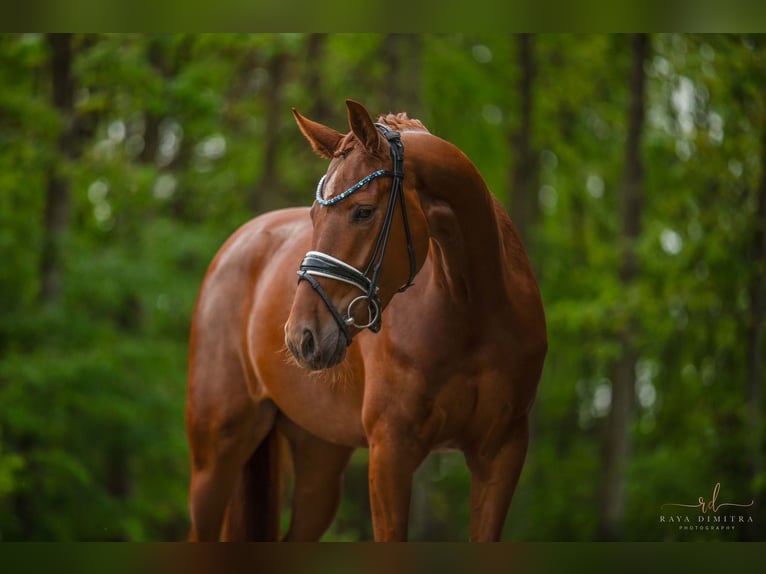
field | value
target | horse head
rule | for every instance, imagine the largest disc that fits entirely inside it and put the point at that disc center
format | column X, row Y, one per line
column 370, row 237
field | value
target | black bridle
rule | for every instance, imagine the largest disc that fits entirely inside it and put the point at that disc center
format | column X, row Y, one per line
column 316, row 263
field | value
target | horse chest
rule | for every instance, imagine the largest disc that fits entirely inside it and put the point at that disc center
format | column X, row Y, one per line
column 439, row 401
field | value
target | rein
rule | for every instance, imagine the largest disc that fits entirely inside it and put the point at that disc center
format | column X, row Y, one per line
column 318, row 264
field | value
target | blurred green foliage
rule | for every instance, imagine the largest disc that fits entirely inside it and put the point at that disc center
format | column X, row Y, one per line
column 175, row 133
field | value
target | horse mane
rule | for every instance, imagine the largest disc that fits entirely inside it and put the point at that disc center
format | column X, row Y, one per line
column 401, row 122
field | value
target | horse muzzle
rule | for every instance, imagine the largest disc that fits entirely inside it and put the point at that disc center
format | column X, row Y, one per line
column 315, row 347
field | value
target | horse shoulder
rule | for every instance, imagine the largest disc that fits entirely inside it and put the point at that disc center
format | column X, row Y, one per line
column 227, row 290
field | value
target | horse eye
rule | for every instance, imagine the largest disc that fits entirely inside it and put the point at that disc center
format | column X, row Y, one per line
column 362, row 213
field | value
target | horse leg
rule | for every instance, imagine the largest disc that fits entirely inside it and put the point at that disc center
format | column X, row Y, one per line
column 494, row 476
column 221, row 443
column 394, row 458
column 318, row 467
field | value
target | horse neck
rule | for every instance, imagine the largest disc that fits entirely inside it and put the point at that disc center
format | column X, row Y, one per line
column 466, row 244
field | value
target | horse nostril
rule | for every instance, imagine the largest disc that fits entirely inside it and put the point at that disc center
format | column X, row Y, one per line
column 307, row 344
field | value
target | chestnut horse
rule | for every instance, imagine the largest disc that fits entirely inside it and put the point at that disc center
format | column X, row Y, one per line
column 415, row 323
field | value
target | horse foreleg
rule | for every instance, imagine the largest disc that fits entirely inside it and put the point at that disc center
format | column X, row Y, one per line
column 319, row 468
column 393, row 461
column 209, row 494
column 494, row 476
column 220, row 446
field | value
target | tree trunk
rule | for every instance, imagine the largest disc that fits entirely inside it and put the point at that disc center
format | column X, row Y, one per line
column 152, row 119
column 403, row 55
column 57, row 200
column 620, row 418
column 266, row 193
column 320, row 110
column 756, row 327
column 523, row 197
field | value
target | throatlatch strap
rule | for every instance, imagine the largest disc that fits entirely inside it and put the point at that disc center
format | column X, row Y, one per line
column 397, row 189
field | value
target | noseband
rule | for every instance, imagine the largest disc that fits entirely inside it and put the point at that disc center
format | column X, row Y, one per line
column 318, row 264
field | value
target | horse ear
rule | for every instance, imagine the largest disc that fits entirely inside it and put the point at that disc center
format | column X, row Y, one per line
column 360, row 122
column 323, row 140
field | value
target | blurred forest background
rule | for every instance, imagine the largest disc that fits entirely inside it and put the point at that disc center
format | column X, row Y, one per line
column 634, row 167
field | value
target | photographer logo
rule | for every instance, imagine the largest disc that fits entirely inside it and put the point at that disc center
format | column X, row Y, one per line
column 713, row 515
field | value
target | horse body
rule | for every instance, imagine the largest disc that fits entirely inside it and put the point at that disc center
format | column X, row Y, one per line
column 455, row 365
